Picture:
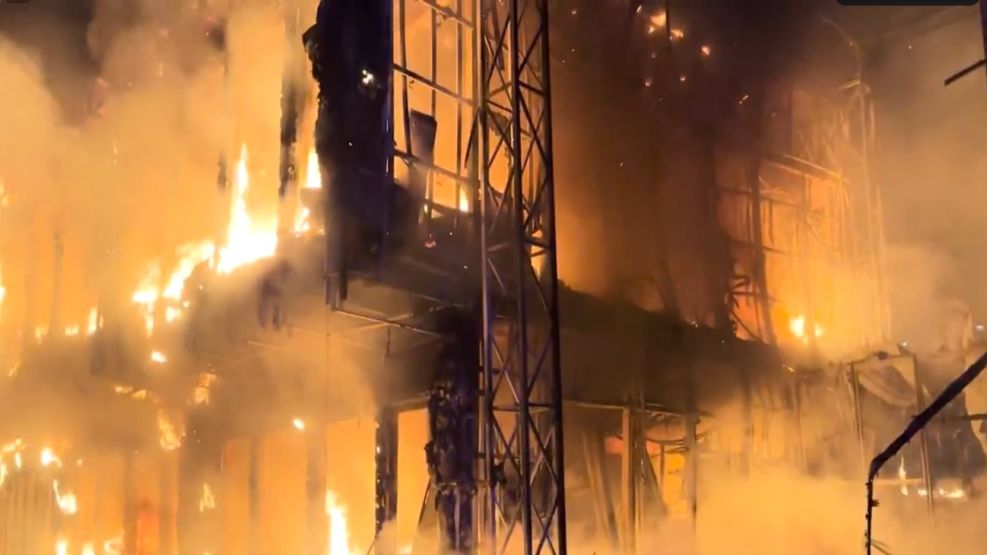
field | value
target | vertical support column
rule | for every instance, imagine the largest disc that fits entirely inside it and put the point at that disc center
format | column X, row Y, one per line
column 169, row 503
column 522, row 380
column 451, row 452
column 858, row 417
column 386, row 460
column 692, row 450
column 129, row 504
column 799, row 439
column 924, row 439
column 629, row 459
column 199, row 462
column 55, row 320
column 315, row 489
column 254, row 494
column 748, row 415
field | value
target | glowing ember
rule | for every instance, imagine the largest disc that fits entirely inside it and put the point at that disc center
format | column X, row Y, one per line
column 902, row 475
column 313, row 176
column 246, row 242
column 339, row 539
column 203, row 388
column 67, row 502
column 92, row 324
column 172, row 314
column 659, row 19
column 48, row 458
column 677, row 34
column 169, row 435
column 798, row 327
column 299, row 424
column 706, row 50
column 206, row 502
column 158, row 357
column 113, row 546
column 13, row 446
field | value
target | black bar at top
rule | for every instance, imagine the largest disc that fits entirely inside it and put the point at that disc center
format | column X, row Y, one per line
column 907, row 2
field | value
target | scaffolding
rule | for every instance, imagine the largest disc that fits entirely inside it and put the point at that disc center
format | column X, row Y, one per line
column 804, row 220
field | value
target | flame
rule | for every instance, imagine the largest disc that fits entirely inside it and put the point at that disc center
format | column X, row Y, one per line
column 246, row 241
column 3, row 473
column 313, row 175
column 677, row 34
column 299, row 424
column 18, row 460
column 40, row 332
column 903, row 475
column 339, row 539
column 158, row 357
column 206, row 502
column 203, row 388
column 301, row 220
column 72, row 331
column 798, row 327
column 172, row 313
column 658, row 20
column 61, row 546
column 190, row 256
column 464, row 201
column 92, row 323
column 48, row 458
column 87, row 549
column 67, row 502
column 12, row 446
column 169, row 436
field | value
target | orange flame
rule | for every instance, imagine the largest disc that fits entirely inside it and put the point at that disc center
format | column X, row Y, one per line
column 246, row 241
column 339, row 538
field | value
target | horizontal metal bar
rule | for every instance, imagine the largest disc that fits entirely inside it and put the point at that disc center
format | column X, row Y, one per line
column 447, row 12
column 412, row 159
column 391, row 323
column 419, row 78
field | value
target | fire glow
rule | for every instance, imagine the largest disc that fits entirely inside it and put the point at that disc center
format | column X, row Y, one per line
column 246, row 240
column 339, row 538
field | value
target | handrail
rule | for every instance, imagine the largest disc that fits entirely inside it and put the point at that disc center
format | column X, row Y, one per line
column 915, row 426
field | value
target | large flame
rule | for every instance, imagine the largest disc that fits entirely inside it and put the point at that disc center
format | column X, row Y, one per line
column 246, row 240
column 798, row 327
column 339, row 537
column 313, row 176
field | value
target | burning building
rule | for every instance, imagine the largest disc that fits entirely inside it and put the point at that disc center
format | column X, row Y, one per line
column 342, row 276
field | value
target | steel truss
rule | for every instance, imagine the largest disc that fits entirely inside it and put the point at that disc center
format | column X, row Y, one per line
column 521, row 418
column 494, row 148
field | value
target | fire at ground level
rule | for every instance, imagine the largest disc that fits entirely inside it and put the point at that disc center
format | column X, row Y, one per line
column 271, row 391
column 305, row 434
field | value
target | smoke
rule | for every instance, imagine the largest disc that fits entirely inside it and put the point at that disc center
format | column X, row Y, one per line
column 931, row 171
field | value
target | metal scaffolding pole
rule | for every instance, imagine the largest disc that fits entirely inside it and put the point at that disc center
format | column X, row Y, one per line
column 522, row 401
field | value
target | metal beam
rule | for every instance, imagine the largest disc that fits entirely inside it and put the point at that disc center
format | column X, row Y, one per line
column 523, row 452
